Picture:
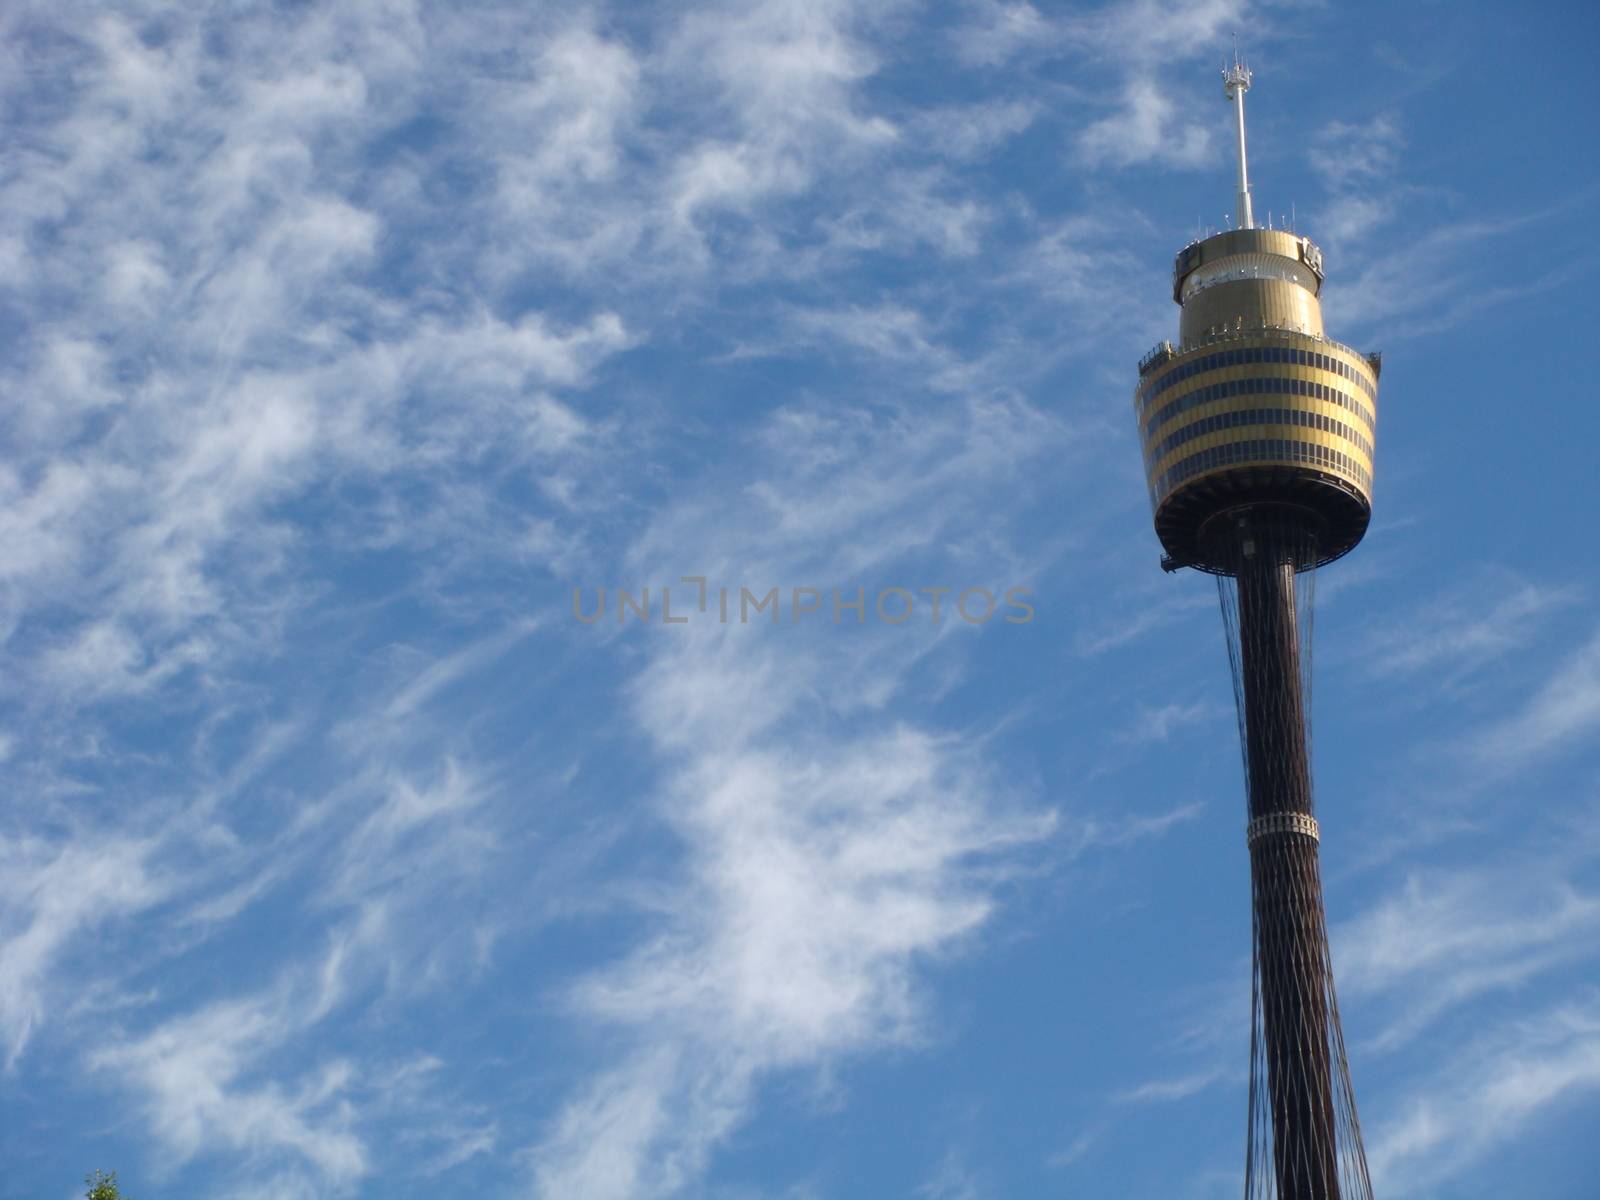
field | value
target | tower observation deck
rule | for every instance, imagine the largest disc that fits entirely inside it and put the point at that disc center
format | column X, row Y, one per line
column 1258, row 435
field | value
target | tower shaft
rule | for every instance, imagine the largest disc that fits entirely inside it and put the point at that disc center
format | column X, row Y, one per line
column 1274, row 702
column 1291, row 949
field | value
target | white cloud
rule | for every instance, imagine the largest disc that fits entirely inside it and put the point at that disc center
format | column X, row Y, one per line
column 218, row 296
column 887, row 332
column 1158, row 724
column 1145, row 129
column 1088, row 833
column 1566, row 706
column 50, row 894
column 1438, row 278
column 1153, row 31
column 953, row 1179
column 417, row 835
column 998, row 30
column 826, row 862
column 1474, row 624
column 968, row 131
column 1163, row 1091
column 251, row 1074
column 1449, row 936
column 910, row 212
column 784, row 69
column 1347, row 155
column 1486, row 1096
column 781, row 76
column 561, row 137
column 202, row 1083
column 818, row 882
column 582, row 95
column 1135, row 35
column 1358, row 165
column 1146, row 617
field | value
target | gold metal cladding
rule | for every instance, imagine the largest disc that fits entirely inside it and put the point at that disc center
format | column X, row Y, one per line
column 1252, row 265
column 1245, row 434
column 1360, row 486
column 1255, row 433
column 1305, row 412
column 1348, row 439
column 1287, row 341
column 1245, row 241
column 1163, row 486
column 1247, row 370
column 1362, row 415
column 1342, row 419
column 1291, row 822
column 1320, row 458
column 1252, row 302
column 1149, row 397
column 1330, row 387
column 1334, row 413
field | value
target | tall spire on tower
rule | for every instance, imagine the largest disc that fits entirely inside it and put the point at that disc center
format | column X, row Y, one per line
column 1235, row 83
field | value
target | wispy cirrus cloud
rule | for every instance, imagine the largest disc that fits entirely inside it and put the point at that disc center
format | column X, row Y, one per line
column 1503, row 1080
column 829, row 855
column 235, row 360
column 247, row 1072
column 1357, row 164
column 1125, row 45
column 1146, row 128
column 1157, row 724
column 1436, row 279
column 1143, row 38
column 1563, row 708
column 969, row 131
column 816, row 887
column 1098, row 833
column 1447, row 937
column 1163, row 1091
column 1477, row 622
column 996, row 30
column 54, row 892
column 201, row 1075
column 256, row 360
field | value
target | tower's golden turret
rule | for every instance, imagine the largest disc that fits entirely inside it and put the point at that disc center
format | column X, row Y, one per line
column 1254, row 404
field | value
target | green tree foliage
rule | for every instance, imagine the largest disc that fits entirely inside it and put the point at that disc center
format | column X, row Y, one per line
column 103, row 1186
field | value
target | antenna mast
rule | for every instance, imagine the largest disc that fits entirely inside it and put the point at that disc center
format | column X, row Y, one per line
column 1235, row 83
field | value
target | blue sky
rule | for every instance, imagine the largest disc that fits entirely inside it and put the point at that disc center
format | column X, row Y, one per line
column 342, row 342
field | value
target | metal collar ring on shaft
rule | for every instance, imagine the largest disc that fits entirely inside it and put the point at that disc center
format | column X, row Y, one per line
column 1289, row 822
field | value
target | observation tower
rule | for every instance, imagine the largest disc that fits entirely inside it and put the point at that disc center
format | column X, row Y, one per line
column 1258, row 447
